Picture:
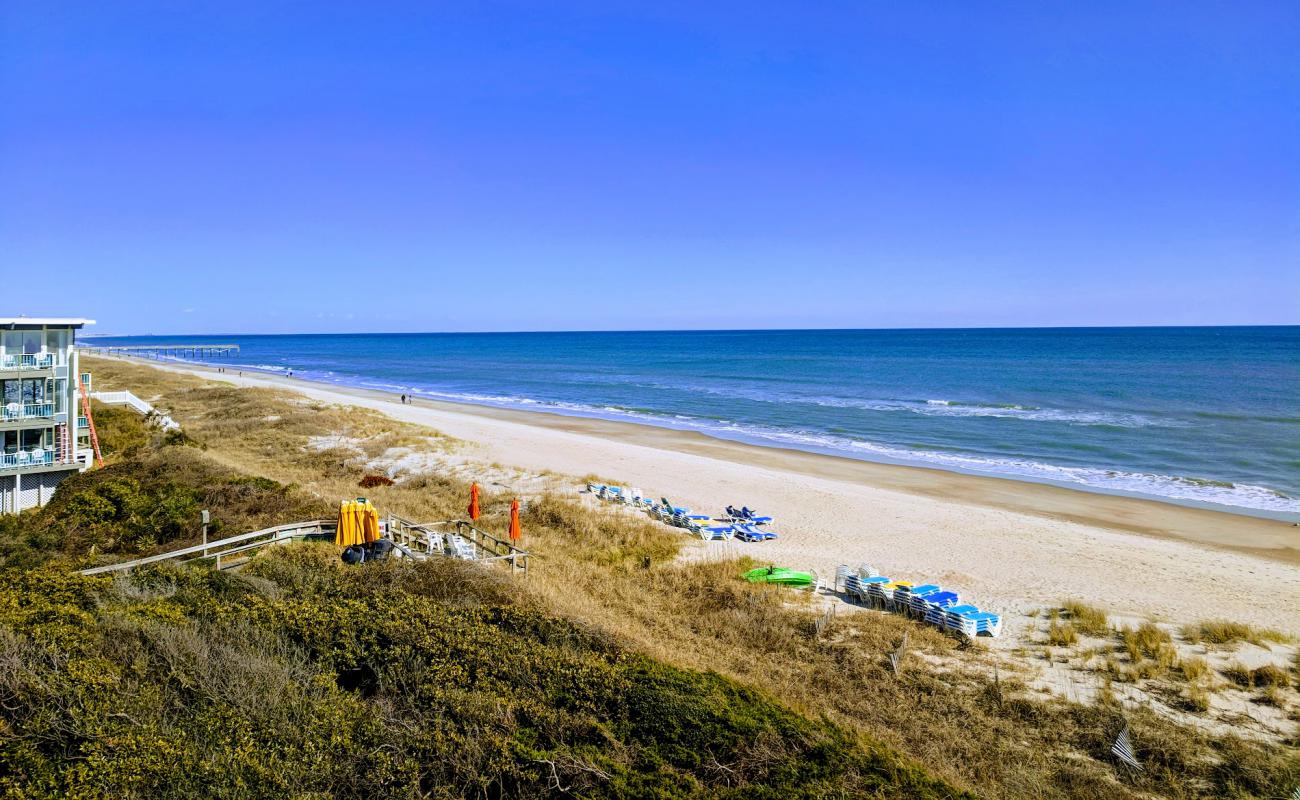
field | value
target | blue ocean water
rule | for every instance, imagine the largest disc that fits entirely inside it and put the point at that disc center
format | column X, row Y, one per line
column 1207, row 416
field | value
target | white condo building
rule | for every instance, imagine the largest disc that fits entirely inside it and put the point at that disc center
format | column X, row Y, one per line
column 40, row 409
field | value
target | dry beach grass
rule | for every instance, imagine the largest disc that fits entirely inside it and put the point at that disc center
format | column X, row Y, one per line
column 970, row 715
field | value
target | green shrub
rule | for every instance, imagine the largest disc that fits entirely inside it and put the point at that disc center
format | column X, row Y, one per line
column 305, row 678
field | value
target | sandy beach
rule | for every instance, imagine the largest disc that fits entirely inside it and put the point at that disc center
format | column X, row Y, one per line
column 1007, row 545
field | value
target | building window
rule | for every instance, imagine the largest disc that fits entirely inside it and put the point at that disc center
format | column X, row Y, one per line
column 34, row 439
column 34, row 390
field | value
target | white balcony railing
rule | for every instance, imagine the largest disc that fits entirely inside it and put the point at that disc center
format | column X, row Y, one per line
column 28, row 458
column 27, row 361
column 14, row 411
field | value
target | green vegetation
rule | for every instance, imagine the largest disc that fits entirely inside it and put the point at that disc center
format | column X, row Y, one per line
column 614, row 669
column 304, row 678
column 149, row 494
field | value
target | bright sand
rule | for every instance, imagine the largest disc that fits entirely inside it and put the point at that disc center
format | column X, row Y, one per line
column 1006, row 545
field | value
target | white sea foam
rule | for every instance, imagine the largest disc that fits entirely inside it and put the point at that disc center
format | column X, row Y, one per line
column 1170, row 487
column 935, row 407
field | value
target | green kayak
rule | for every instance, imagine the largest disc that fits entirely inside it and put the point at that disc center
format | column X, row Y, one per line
column 782, row 576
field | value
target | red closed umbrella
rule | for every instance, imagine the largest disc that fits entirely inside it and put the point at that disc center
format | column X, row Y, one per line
column 473, row 501
column 515, row 533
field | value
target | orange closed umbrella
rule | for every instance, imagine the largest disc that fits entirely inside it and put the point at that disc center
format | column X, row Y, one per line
column 515, row 533
column 473, row 501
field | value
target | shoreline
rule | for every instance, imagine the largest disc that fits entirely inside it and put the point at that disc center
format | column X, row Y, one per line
column 1009, row 546
column 1265, row 537
column 590, row 413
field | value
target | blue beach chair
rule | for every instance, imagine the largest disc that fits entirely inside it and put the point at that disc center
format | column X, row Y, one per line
column 754, row 534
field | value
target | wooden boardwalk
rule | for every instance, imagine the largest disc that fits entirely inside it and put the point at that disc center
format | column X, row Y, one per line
column 412, row 540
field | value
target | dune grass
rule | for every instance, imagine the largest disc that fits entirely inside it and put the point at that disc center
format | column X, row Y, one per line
column 1088, row 620
column 1062, row 634
column 1224, row 632
column 612, row 572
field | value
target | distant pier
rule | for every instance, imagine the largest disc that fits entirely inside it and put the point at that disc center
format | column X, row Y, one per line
column 160, row 351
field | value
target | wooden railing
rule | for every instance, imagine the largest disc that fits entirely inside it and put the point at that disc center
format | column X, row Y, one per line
column 412, row 539
column 417, row 537
column 221, row 551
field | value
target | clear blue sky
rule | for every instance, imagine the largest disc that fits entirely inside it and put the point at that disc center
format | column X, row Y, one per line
column 276, row 167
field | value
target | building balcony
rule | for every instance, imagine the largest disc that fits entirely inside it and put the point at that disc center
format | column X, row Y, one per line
column 24, row 361
column 26, row 459
column 16, row 411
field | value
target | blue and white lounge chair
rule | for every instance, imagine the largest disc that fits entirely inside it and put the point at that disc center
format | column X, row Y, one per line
column 744, row 514
column 912, row 600
column 902, row 599
column 754, row 533
column 706, row 531
column 955, row 618
column 933, row 605
column 865, row 584
column 880, row 593
column 987, row 623
column 666, row 511
column 716, row 533
column 690, row 521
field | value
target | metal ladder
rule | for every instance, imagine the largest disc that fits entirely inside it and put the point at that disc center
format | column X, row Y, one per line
column 61, row 431
column 90, row 421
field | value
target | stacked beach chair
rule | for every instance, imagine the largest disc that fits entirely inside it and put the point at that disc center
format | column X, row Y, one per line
column 970, row 621
column 854, row 582
column 926, row 601
column 925, row 607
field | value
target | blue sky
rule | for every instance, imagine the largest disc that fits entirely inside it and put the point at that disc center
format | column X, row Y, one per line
column 283, row 167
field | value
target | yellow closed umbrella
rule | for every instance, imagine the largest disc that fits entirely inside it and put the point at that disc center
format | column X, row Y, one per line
column 341, row 530
column 348, row 532
column 368, row 521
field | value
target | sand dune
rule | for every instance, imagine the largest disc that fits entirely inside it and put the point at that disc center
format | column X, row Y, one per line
column 1006, row 545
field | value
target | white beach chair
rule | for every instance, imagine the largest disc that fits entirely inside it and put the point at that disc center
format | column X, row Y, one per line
column 463, row 548
column 842, row 573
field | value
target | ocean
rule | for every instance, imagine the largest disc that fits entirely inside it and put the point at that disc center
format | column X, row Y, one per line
column 1200, row 416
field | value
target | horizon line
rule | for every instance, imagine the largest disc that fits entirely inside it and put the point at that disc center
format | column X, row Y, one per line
column 701, row 330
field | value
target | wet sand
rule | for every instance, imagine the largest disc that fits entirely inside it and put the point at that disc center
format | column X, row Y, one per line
column 1006, row 544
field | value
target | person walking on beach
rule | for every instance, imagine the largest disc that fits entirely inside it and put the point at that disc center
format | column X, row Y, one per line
column 403, row 399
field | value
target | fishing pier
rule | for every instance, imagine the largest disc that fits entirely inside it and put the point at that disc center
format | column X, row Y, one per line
column 161, row 351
